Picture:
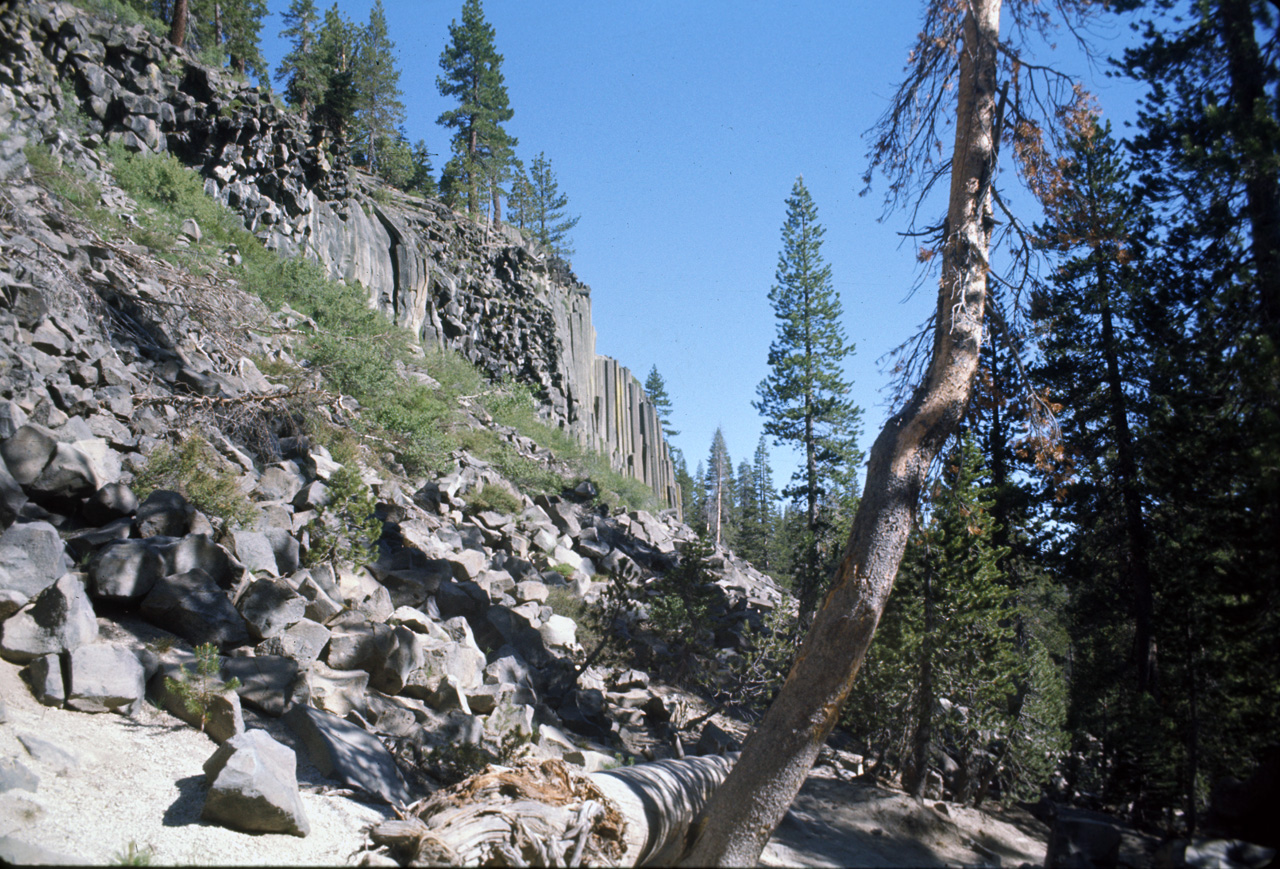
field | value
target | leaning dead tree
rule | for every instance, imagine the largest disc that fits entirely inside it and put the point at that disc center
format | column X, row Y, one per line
column 543, row 813
column 1000, row 97
column 959, row 55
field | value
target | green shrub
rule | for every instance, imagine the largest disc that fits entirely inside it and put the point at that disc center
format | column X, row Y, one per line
column 346, row 529
column 199, row 474
column 198, row 687
column 682, row 598
column 494, row 498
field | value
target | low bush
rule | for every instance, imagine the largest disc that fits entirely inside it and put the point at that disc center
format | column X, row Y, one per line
column 494, row 498
column 196, row 471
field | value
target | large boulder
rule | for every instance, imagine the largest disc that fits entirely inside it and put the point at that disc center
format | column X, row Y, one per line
column 303, row 642
column 253, row 786
column 192, row 606
column 32, row 557
column 58, row 619
column 163, row 514
column 126, row 570
column 267, row 682
column 105, row 677
column 270, row 606
column 44, row 675
column 27, row 452
column 350, row 754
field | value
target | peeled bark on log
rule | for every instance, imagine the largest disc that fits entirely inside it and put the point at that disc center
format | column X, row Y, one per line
column 543, row 813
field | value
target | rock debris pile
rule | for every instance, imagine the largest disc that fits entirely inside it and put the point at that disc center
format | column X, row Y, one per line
column 385, row 669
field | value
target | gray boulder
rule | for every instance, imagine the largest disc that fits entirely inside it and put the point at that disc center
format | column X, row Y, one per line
column 303, row 642
column 253, row 786
column 405, row 656
column 27, row 452
column 348, row 753
column 31, row 557
column 163, row 514
column 12, row 498
column 112, row 501
column 192, row 606
column 70, row 473
column 267, row 682
column 270, row 606
column 126, row 570
column 336, row 691
column 199, row 550
column 58, row 619
column 104, row 677
column 359, row 645
column 253, row 549
column 44, row 675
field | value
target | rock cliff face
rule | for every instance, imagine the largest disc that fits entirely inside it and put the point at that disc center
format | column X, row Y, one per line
column 501, row 301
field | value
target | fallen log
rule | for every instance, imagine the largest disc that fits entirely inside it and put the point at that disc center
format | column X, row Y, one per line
column 545, row 813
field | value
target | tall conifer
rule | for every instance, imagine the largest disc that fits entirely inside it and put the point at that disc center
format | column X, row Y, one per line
column 804, row 400
column 379, row 111
column 472, row 74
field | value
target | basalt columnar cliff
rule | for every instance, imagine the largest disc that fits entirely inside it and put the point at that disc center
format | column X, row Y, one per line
column 501, row 301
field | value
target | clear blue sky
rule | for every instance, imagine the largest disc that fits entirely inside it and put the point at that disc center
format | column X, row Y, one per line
column 677, row 128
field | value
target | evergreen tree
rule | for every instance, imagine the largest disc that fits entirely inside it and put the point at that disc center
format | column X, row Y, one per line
column 718, row 484
column 1208, row 155
column 698, row 498
column 656, row 389
column 241, row 28
column 688, row 488
column 520, row 197
column 804, row 398
column 422, row 179
column 379, row 111
column 300, row 70
column 758, row 512
column 336, row 50
column 472, row 75
column 551, row 226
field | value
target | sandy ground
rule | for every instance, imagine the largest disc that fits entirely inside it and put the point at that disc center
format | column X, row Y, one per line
column 140, row 780
column 120, row 781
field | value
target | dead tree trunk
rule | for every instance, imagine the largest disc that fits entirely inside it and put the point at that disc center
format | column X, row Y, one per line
column 777, row 757
column 546, row 814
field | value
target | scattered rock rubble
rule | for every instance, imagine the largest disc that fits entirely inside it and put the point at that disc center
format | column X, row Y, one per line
column 443, row 639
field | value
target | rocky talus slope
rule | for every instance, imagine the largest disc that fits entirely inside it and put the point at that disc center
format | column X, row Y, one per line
column 371, row 677
column 505, row 304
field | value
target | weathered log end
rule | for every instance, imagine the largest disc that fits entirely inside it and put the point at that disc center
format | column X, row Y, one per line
column 544, row 813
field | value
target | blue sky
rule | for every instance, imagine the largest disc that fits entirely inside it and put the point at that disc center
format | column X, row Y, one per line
column 677, row 128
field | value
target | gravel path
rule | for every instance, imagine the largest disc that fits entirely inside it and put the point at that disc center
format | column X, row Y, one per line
column 140, row 780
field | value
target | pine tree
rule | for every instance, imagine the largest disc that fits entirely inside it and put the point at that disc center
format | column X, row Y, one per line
column 241, row 29
column 656, row 389
column 520, row 197
column 300, row 71
column 686, row 486
column 336, row 50
column 379, row 111
column 758, row 514
column 472, row 75
column 698, row 498
column 551, row 225
column 1208, row 153
column 804, row 398
column 718, row 484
